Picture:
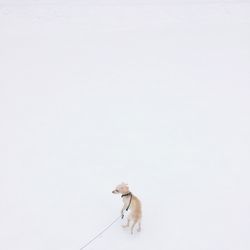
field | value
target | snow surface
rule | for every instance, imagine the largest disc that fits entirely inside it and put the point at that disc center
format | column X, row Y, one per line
column 154, row 93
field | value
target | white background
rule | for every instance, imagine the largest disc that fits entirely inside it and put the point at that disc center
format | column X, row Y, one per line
column 154, row 93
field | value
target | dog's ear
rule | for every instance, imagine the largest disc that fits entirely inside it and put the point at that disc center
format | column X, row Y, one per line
column 123, row 183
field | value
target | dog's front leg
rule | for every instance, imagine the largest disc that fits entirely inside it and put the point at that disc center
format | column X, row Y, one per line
column 127, row 225
column 123, row 208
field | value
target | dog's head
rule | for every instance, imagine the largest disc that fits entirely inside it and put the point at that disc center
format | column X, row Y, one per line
column 121, row 189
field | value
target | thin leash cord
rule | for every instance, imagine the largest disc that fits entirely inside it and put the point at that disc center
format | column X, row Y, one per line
column 105, row 229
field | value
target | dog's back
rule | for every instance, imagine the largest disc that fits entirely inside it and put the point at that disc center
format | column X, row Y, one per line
column 136, row 212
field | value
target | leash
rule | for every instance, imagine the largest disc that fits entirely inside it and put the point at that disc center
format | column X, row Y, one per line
column 99, row 234
column 107, row 227
column 131, row 196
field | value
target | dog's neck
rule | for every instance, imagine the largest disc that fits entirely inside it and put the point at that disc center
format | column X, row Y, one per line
column 127, row 194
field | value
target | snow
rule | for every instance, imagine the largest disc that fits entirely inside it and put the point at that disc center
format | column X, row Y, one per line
column 153, row 93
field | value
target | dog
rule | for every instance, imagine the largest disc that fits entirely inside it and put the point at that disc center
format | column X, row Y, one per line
column 132, row 203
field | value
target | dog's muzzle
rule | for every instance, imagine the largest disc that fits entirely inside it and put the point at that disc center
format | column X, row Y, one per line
column 115, row 191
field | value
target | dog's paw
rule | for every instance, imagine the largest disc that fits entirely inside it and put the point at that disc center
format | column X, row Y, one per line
column 124, row 226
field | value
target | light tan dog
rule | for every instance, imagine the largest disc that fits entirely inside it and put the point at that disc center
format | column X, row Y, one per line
column 132, row 203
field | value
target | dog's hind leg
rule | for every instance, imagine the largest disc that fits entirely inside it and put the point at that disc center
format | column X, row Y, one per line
column 133, row 225
column 139, row 227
